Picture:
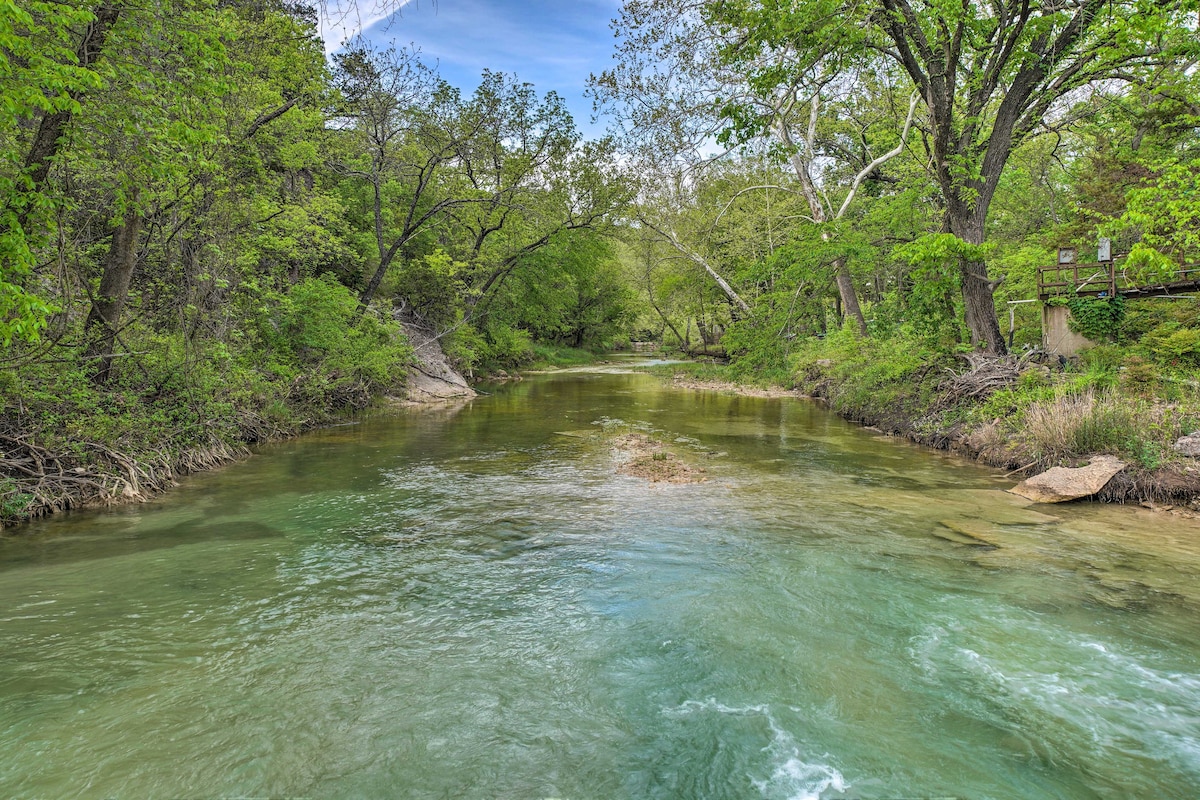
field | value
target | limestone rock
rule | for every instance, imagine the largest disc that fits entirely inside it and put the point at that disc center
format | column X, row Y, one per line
column 1189, row 445
column 431, row 378
column 1061, row 484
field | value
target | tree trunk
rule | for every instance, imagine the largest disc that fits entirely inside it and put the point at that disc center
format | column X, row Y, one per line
column 385, row 254
column 105, row 316
column 666, row 322
column 849, row 297
column 50, row 129
column 802, row 165
column 979, row 307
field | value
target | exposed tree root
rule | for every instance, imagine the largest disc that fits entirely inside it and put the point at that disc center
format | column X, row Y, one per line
column 37, row 481
column 987, row 374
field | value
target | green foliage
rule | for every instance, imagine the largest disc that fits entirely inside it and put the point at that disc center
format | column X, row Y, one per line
column 547, row 356
column 942, row 248
column 434, row 285
column 1097, row 318
column 1103, row 361
column 1147, row 266
column 760, row 349
column 504, row 346
column 38, row 75
column 465, row 347
column 936, row 261
column 14, row 503
column 1174, row 345
column 320, row 331
column 315, row 359
column 1139, row 376
column 1166, row 209
column 870, row 379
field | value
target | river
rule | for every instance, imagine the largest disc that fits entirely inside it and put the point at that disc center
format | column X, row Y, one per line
column 471, row 602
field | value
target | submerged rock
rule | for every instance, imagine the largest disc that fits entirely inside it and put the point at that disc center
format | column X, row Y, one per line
column 973, row 532
column 1061, row 484
column 644, row 457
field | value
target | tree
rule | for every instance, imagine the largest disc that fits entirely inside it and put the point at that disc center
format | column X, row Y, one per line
column 988, row 74
column 679, row 93
column 583, row 190
column 493, row 177
column 142, row 138
column 47, row 67
column 398, row 122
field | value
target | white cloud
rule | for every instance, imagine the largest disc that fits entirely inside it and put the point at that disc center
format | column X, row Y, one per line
column 342, row 19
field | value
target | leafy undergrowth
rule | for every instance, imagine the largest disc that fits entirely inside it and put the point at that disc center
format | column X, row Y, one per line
column 173, row 405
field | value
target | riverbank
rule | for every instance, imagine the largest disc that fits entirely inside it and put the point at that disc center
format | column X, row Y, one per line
column 68, row 443
column 47, row 472
column 1012, row 414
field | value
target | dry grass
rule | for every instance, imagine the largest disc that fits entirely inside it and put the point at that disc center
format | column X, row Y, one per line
column 1074, row 425
column 1051, row 428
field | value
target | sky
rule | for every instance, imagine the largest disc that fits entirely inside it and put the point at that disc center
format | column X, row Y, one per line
column 553, row 44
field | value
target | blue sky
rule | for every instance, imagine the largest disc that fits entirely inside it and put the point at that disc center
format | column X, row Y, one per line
column 553, row 44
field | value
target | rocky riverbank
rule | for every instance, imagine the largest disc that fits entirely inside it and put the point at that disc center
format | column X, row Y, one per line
column 937, row 409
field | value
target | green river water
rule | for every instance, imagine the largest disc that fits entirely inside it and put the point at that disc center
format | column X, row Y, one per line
column 464, row 602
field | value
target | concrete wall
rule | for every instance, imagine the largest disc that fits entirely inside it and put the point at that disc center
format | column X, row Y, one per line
column 1057, row 336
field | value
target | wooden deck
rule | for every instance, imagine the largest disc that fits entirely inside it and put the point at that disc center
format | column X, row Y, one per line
column 1106, row 279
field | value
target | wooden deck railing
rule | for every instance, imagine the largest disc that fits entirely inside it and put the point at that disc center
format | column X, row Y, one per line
column 1091, row 279
column 1108, row 278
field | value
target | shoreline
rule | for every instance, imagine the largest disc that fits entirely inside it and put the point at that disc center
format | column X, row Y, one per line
column 114, row 479
column 1165, row 490
column 130, row 480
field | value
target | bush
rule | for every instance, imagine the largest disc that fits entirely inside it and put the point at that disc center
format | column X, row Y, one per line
column 321, row 333
column 1139, row 376
column 1174, row 345
column 872, row 378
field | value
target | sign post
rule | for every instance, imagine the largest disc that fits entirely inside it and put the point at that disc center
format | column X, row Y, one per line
column 1104, row 256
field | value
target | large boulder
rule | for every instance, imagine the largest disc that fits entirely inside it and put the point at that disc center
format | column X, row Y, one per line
column 1189, row 445
column 431, row 378
column 1061, row 484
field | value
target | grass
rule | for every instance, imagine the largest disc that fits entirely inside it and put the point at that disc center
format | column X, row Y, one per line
column 1103, row 404
column 1074, row 425
column 549, row 356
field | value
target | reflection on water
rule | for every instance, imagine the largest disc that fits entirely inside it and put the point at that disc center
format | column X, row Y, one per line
column 464, row 602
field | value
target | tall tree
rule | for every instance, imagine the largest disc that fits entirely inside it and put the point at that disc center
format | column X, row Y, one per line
column 988, row 73
column 144, row 138
column 678, row 92
column 49, row 54
column 400, row 126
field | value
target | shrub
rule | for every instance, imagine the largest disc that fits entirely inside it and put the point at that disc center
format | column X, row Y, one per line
column 1139, row 375
column 1172, row 344
column 321, row 331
